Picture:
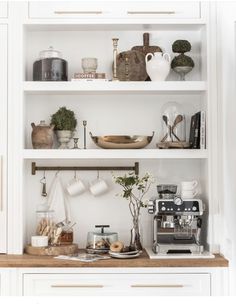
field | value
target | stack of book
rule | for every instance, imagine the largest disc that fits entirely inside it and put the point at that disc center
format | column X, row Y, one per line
column 197, row 136
column 89, row 77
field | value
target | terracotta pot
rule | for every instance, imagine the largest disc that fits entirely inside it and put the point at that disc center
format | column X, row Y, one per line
column 42, row 136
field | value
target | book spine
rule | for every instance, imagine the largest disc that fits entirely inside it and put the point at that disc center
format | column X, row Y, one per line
column 192, row 130
column 89, row 76
column 196, row 142
column 203, row 130
column 84, row 75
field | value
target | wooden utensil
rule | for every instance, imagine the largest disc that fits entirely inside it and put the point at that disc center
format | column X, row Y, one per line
column 165, row 118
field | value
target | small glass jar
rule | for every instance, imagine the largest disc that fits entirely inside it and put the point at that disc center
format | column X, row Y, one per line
column 46, row 224
column 67, row 235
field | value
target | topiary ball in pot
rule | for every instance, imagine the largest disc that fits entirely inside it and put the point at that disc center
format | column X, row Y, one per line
column 65, row 123
column 181, row 61
column 182, row 64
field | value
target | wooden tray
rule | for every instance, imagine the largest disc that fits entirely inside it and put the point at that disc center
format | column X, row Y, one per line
column 52, row 250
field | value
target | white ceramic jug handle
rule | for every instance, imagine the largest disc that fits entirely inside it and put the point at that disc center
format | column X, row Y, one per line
column 146, row 58
column 167, row 57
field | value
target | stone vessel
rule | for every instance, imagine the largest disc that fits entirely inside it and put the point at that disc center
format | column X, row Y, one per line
column 42, row 135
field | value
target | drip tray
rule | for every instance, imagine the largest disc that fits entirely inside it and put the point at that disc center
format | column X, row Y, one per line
column 204, row 255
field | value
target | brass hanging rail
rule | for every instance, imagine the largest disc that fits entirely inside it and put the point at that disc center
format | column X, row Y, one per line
column 35, row 168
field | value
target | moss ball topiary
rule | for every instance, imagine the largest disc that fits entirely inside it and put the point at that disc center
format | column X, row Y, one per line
column 181, row 46
column 182, row 60
column 64, row 119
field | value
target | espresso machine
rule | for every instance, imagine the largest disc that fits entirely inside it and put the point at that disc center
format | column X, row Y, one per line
column 176, row 224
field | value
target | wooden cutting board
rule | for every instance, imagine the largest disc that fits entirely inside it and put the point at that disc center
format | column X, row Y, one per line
column 52, row 250
column 146, row 48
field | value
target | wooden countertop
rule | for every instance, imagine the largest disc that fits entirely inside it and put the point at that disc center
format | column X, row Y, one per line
column 142, row 261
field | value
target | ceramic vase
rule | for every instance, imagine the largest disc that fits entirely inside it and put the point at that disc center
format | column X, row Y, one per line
column 158, row 67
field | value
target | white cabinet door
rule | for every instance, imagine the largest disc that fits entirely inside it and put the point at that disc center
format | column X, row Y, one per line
column 3, row 136
column 131, row 9
column 117, row 284
column 3, row 9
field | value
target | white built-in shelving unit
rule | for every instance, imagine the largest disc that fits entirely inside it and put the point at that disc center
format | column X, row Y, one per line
column 109, row 107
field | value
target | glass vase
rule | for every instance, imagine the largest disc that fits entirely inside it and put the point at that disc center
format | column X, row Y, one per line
column 135, row 241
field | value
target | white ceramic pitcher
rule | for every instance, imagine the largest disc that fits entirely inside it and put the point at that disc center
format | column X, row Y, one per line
column 158, row 67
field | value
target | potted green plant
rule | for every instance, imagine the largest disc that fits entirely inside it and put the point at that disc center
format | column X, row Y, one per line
column 134, row 190
column 182, row 64
column 65, row 123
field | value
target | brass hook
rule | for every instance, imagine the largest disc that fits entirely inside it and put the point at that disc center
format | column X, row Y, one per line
column 44, row 182
column 43, row 179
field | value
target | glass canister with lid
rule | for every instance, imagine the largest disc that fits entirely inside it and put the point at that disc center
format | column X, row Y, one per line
column 46, row 224
column 173, row 127
column 99, row 242
column 50, row 66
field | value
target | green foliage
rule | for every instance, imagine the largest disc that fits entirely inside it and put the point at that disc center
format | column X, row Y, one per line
column 64, row 119
column 181, row 61
column 134, row 187
column 181, row 46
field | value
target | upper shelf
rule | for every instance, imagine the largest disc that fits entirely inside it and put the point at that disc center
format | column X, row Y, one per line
column 115, row 154
column 130, row 87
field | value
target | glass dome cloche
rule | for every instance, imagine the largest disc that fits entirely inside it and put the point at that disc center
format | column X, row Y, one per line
column 173, row 134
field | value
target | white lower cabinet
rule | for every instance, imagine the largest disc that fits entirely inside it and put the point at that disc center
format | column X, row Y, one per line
column 83, row 284
column 5, row 284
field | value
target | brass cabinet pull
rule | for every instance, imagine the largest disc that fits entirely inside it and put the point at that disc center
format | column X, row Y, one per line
column 77, row 12
column 157, row 286
column 151, row 12
column 77, row 286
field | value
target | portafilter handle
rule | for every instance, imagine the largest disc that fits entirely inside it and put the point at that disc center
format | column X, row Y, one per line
column 199, row 228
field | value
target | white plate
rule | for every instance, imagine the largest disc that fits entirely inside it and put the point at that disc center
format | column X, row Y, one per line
column 124, row 256
column 125, row 253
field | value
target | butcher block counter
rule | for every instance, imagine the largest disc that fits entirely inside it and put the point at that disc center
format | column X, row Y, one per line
column 142, row 261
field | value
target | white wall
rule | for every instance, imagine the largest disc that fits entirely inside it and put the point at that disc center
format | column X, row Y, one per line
column 226, row 29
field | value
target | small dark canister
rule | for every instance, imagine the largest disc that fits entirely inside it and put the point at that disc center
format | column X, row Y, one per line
column 50, row 66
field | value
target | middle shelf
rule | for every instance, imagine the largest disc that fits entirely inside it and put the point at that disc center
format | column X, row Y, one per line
column 90, row 87
column 115, row 154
